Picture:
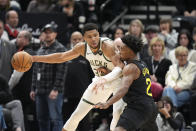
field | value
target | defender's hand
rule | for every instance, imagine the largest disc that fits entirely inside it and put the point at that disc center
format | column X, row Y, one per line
column 99, row 84
column 101, row 105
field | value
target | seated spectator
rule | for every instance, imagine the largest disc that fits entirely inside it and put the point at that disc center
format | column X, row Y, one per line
column 168, row 34
column 150, row 32
column 194, row 38
column 76, row 17
column 40, row 6
column 74, row 11
column 7, row 50
column 158, row 66
column 179, row 78
column 184, row 39
column 168, row 118
column 118, row 32
column 6, row 5
column 11, row 19
column 136, row 28
column 186, row 7
column 14, row 106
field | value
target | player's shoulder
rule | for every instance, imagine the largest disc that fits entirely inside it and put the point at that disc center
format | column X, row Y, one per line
column 107, row 44
column 79, row 47
column 106, row 41
column 130, row 68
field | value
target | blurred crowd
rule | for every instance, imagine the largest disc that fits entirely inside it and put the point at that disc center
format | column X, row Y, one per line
column 169, row 53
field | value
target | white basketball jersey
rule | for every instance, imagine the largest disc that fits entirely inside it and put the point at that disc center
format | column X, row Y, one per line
column 98, row 59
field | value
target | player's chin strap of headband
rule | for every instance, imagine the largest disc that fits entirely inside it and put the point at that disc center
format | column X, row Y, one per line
column 116, row 73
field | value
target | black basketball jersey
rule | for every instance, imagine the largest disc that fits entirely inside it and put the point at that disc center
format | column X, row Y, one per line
column 140, row 89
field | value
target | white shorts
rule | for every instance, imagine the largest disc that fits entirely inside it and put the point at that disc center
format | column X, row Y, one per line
column 102, row 94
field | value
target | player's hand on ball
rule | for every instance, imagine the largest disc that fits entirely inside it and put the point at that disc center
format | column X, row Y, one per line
column 101, row 105
column 99, row 84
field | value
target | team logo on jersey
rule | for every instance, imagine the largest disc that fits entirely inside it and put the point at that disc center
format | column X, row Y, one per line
column 98, row 63
column 145, row 71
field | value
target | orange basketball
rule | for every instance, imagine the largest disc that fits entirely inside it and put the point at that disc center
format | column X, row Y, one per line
column 21, row 61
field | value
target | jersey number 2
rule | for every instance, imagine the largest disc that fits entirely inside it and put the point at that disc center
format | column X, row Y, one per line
column 148, row 83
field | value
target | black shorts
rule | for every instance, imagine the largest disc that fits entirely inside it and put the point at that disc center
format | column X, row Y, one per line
column 139, row 116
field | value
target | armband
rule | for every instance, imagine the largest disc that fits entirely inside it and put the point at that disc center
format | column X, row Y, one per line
column 116, row 72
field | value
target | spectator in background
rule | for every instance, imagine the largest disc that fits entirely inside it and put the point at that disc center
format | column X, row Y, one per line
column 158, row 66
column 80, row 72
column 179, row 78
column 184, row 39
column 20, row 83
column 118, row 33
column 186, row 7
column 75, row 14
column 150, row 32
column 168, row 118
column 136, row 28
column 40, row 6
column 48, row 84
column 194, row 38
column 6, row 5
column 12, row 20
column 168, row 34
column 76, row 37
column 7, row 50
column 13, row 106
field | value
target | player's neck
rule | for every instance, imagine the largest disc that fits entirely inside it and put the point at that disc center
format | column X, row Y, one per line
column 95, row 50
column 131, row 59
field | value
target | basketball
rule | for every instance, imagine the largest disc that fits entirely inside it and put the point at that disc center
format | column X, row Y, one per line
column 21, row 61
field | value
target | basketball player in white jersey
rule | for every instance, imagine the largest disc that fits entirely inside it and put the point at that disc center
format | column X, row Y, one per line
column 103, row 59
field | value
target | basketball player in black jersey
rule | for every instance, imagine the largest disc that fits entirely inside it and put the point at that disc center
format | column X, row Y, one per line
column 140, row 112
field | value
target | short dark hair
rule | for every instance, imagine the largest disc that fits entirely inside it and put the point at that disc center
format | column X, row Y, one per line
column 167, row 20
column 89, row 26
column 133, row 42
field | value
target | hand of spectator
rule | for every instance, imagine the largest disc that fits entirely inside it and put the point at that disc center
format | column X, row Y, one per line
column 32, row 95
column 164, row 32
column 153, row 78
column 186, row 13
column 53, row 94
column 101, row 105
column 177, row 89
column 165, row 112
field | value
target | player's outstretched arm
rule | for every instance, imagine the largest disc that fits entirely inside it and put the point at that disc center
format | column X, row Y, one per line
column 61, row 57
column 130, row 73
